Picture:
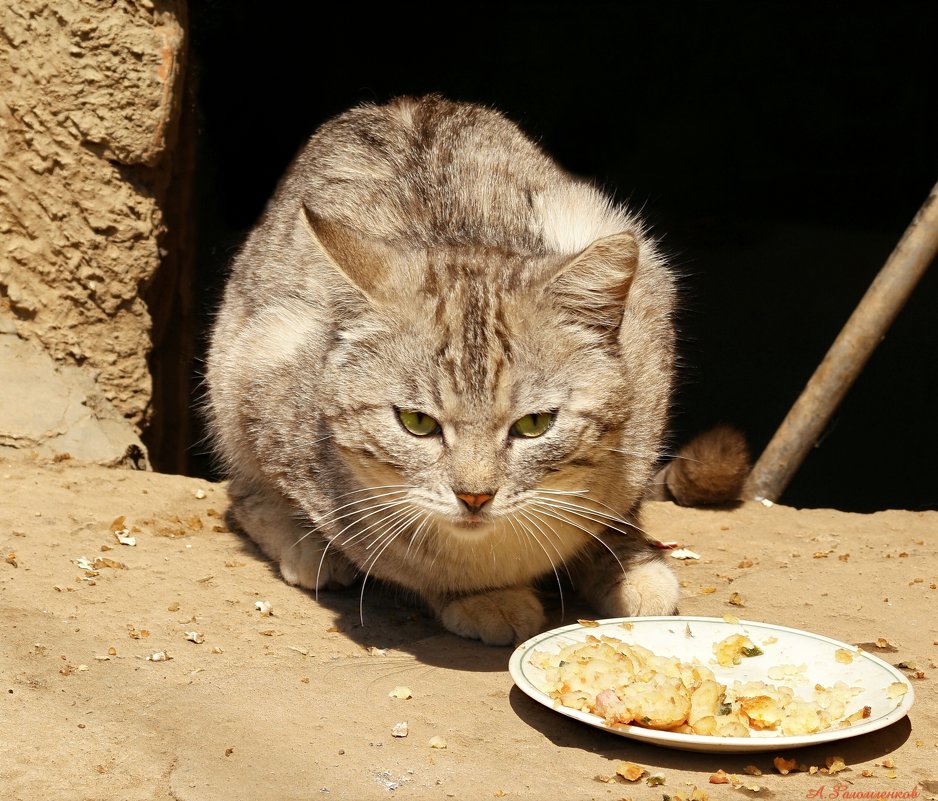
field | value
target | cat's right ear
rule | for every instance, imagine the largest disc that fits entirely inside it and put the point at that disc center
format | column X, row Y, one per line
column 354, row 258
column 593, row 285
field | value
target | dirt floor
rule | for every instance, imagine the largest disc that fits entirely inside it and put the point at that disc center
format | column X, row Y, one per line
column 295, row 704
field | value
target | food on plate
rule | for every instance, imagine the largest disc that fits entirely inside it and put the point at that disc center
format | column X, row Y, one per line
column 896, row 690
column 732, row 649
column 628, row 684
column 843, row 656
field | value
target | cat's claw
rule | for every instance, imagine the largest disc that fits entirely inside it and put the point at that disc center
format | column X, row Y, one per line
column 499, row 617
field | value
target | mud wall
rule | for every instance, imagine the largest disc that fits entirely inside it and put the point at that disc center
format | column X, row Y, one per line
column 90, row 94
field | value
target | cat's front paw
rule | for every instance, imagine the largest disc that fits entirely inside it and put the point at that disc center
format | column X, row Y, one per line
column 499, row 617
column 650, row 588
column 305, row 564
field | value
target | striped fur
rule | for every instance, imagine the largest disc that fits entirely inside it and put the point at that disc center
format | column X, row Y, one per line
column 426, row 255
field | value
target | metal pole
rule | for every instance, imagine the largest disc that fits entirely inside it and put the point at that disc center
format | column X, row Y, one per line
column 848, row 355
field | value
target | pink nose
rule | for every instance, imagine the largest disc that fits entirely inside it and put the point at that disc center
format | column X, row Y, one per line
column 474, row 502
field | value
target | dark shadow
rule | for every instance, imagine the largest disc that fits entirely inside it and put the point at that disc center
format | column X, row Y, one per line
column 778, row 186
column 385, row 616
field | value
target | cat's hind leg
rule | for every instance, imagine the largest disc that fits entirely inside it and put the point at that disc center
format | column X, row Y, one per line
column 274, row 523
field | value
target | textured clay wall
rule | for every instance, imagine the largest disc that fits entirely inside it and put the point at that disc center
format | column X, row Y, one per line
column 89, row 95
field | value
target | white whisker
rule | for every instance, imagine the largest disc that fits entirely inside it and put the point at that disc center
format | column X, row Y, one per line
column 371, row 512
column 553, row 567
column 416, row 534
column 615, row 516
column 592, row 534
column 603, row 522
column 569, row 504
column 547, row 537
column 398, row 515
column 652, row 455
column 591, row 499
column 379, row 523
column 378, row 487
column 373, row 509
column 330, row 519
column 301, row 515
column 329, row 541
column 391, row 536
column 563, row 492
column 526, row 538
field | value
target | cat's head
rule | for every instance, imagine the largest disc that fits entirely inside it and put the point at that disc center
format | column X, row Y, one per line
column 474, row 384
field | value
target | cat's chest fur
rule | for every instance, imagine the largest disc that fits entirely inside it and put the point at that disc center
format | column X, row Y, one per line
column 443, row 362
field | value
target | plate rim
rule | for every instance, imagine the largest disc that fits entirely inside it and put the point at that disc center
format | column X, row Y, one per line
column 703, row 742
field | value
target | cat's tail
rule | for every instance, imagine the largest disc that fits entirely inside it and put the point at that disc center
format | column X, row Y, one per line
column 708, row 471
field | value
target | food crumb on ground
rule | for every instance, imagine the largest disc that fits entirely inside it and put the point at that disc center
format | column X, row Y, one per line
column 630, row 771
column 684, row 553
column 123, row 537
column 784, row 766
column 159, row 656
column 835, row 764
column 720, row 777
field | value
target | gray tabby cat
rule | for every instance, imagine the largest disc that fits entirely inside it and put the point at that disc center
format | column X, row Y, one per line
column 443, row 362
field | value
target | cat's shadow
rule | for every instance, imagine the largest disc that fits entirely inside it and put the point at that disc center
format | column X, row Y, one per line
column 384, row 618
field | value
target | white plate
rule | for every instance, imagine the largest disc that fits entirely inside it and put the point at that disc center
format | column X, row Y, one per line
column 667, row 636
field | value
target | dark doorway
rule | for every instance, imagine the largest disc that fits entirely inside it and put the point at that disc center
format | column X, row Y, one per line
column 778, row 150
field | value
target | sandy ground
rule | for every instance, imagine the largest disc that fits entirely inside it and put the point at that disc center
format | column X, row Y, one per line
column 295, row 705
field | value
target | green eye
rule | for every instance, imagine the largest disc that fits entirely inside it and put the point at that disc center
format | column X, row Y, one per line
column 418, row 423
column 532, row 425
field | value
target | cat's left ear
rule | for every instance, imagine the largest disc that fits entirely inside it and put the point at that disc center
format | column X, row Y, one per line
column 357, row 259
column 594, row 284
